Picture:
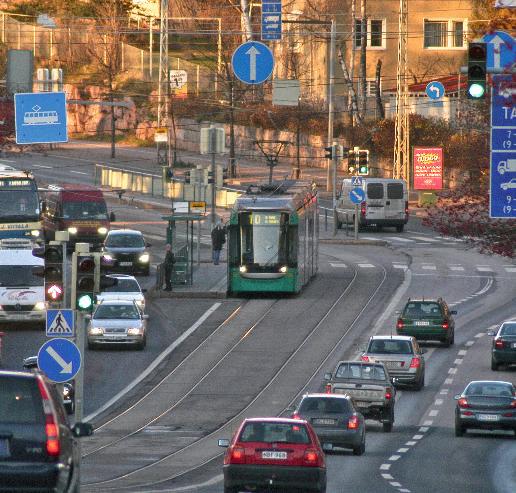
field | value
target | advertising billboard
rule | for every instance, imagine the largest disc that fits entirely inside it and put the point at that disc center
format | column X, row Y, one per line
column 428, row 168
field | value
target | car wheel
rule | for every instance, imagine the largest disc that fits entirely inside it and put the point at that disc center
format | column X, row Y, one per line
column 446, row 342
column 452, row 338
column 91, row 346
column 400, row 228
column 360, row 449
column 141, row 345
column 459, row 429
column 494, row 365
column 421, row 383
column 230, row 489
column 387, row 427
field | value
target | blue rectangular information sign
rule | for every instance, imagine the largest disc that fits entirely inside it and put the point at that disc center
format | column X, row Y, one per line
column 271, row 20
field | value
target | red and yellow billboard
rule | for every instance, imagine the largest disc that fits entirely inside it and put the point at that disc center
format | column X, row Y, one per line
column 428, row 168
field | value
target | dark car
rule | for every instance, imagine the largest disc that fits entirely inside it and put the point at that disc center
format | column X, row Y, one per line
column 334, row 419
column 274, row 454
column 125, row 250
column 487, row 404
column 428, row 320
column 503, row 350
column 38, row 449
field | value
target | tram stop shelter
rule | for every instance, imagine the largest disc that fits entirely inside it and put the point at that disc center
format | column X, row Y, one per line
column 183, row 245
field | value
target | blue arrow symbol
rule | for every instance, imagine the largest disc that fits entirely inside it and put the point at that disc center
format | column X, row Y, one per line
column 66, row 367
column 435, row 89
column 252, row 52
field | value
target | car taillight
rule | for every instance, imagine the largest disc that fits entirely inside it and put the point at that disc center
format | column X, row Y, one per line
column 415, row 363
column 327, row 388
column 236, row 455
column 364, row 358
column 399, row 324
column 296, row 416
column 406, row 208
column 388, row 394
column 467, row 413
column 353, row 423
column 445, row 325
column 513, row 404
column 499, row 343
column 311, row 457
column 53, row 445
column 363, row 208
column 463, row 402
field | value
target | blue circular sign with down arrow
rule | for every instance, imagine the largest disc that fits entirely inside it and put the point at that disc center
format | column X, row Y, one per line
column 253, row 62
column 59, row 359
column 356, row 195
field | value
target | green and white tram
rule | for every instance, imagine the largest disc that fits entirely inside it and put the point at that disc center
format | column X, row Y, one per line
column 273, row 237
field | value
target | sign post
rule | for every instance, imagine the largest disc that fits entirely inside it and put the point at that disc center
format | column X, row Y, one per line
column 356, row 195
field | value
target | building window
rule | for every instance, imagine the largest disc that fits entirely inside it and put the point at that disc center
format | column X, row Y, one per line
column 444, row 34
column 375, row 33
column 370, row 88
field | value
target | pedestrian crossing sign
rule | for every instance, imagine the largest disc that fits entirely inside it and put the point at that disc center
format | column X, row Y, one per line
column 60, row 323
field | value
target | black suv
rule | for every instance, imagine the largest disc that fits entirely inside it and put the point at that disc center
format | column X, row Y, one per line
column 37, row 445
column 428, row 320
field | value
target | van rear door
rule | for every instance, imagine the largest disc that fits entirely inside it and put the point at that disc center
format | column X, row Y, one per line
column 375, row 198
column 395, row 201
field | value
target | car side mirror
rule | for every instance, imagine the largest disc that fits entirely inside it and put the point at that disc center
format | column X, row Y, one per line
column 82, row 430
column 223, row 442
column 395, row 381
column 327, row 376
column 456, row 397
column 112, row 216
column 453, row 312
column 491, row 333
column 148, row 245
column 145, row 317
column 43, row 206
column 144, row 290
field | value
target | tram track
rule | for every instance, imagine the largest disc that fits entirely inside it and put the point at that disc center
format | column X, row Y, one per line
column 111, row 483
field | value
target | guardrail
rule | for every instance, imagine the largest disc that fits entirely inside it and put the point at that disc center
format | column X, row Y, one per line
column 331, row 212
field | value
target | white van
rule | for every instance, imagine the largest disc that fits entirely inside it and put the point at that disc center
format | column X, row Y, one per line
column 22, row 294
column 385, row 204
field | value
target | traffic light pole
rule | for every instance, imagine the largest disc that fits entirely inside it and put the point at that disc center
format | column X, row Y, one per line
column 335, row 158
column 62, row 237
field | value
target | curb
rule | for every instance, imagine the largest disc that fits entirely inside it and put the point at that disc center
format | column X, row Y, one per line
column 213, row 295
column 353, row 242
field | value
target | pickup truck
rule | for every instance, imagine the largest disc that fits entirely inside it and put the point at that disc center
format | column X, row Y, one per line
column 370, row 387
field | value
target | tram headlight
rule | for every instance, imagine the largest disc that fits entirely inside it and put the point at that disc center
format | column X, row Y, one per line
column 243, row 269
column 72, row 230
column 283, row 269
column 35, row 232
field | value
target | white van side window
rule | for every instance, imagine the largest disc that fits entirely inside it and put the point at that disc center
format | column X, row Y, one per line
column 375, row 190
column 394, row 190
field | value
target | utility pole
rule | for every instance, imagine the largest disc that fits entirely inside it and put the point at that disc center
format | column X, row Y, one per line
column 401, row 129
column 331, row 83
column 163, row 82
column 351, row 103
column 363, row 60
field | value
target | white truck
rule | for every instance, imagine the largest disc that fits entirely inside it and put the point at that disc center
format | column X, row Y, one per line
column 22, row 294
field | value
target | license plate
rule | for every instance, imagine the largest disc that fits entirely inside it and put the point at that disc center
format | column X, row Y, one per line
column 125, row 264
column 272, row 454
column 361, row 403
column 422, row 322
column 4, row 448
column 488, row 417
column 323, row 421
column 392, row 364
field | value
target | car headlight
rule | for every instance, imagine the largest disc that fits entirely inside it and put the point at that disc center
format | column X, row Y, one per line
column 283, row 269
column 40, row 305
column 134, row 331
column 35, row 233
column 140, row 303
column 102, row 230
column 72, row 230
column 243, row 268
column 95, row 331
column 66, row 391
column 144, row 258
column 107, row 257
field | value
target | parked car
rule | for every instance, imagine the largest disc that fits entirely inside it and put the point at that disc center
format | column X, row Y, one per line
column 401, row 355
column 503, row 349
column 125, row 288
column 370, row 387
column 126, row 249
column 428, row 320
column 487, row 404
column 67, row 388
column 38, row 450
column 334, row 419
column 117, row 322
column 279, row 453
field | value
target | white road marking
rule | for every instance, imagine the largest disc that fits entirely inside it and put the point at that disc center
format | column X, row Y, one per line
column 510, row 269
column 78, row 172
column 400, row 266
column 386, row 476
column 462, row 352
column 385, row 467
column 394, row 457
column 164, row 354
column 438, row 402
column 423, row 429
column 484, row 268
column 410, row 443
column 448, row 381
column 433, row 412
column 404, row 490
column 444, row 391
column 396, row 238
column 429, row 267
column 428, row 423
column 343, row 266
column 402, row 450
column 417, row 437
column 456, row 267
column 480, row 334
column 365, row 266
column 458, row 361
column 41, row 166
column 431, row 240
column 470, row 343
column 7, row 160
column 395, row 484
column 452, row 371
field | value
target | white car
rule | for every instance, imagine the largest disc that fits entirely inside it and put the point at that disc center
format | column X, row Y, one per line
column 125, row 288
column 508, row 184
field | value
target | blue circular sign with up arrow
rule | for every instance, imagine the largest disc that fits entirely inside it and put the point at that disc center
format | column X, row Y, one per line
column 434, row 90
column 59, row 359
column 253, row 62
column 356, row 195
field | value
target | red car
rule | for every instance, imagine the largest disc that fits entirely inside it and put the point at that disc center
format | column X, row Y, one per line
column 274, row 453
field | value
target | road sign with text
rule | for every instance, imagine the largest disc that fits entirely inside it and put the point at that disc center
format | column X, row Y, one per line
column 271, row 20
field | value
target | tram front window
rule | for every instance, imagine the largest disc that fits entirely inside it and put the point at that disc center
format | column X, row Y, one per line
column 264, row 239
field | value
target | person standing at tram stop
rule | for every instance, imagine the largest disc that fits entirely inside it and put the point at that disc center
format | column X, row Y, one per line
column 169, row 262
column 218, row 238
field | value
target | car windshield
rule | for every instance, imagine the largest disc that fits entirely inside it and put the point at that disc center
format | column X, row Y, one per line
column 508, row 329
column 106, row 312
column 85, row 210
column 19, row 205
column 18, row 276
column 274, row 432
column 389, row 346
column 123, row 286
column 124, row 241
column 422, row 309
column 489, row 389
column 324, row 405
column 357, row 370
column 20, row 401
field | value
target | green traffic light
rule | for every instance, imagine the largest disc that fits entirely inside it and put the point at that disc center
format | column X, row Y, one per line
column 85, row 302
column 476, row 90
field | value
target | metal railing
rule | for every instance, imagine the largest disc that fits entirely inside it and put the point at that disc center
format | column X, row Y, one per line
column 332, row 213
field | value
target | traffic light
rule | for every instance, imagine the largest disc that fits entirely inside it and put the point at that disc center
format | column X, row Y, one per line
column 168, row 174
column 329, row 152
column 352, row 161
column 85, row 271
column 211, row 178
column 477, row 72
column 52, row 271
column 363, row 162
column 187, row 177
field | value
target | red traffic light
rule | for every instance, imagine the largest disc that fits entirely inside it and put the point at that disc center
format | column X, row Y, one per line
column 86, row 264
column 54, row 292
column 477, row 51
